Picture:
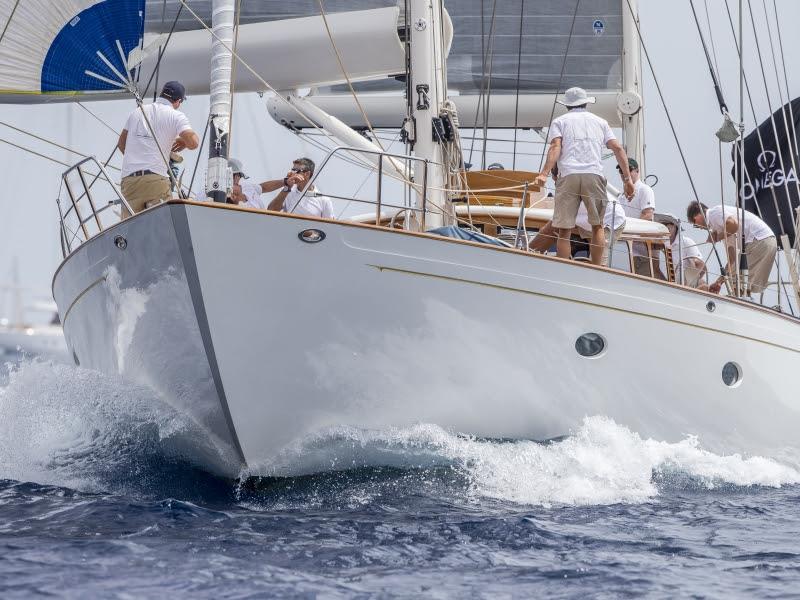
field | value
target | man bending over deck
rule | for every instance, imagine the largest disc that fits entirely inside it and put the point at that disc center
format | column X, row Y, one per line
column 760, row 245
column 577, row 139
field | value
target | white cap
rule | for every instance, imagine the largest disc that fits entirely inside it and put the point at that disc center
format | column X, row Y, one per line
column 576, row 97
column 236, row 167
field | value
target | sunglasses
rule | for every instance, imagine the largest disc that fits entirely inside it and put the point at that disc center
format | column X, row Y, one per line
column 298, row 170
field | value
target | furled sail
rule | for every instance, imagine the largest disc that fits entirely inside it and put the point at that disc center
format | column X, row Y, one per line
column 67, row 47
column 563, row 42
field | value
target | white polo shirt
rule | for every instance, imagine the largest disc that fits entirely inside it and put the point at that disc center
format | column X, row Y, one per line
column 141, row 153
column 643, row 198
column 618, row 216
column 252, row 191
column 687, row 248
column 754, row 228
column 583, row 137
column 312, row 204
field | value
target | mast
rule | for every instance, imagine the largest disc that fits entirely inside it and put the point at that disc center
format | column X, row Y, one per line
column 429, row 91
column 222, row 24
column 629, row 101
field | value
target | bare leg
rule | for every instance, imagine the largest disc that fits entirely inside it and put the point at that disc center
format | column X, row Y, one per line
column 563, row 247
column 598, row 244
column 544, row 239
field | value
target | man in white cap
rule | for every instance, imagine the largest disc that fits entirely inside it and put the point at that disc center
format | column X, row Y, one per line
column 577, row 139
column 245, row 193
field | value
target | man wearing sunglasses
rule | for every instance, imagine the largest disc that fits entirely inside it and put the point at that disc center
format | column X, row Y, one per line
column 295, row 195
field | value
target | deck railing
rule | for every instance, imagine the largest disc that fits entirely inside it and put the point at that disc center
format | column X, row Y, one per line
column 83, row 214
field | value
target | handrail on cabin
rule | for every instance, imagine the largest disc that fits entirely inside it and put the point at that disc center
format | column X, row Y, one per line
column 82, row 220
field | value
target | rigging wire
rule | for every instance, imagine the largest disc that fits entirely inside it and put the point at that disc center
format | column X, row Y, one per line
column 109, row 127
column 50, row 158
column 278, row 95
column 720, row 99
column 10, row 17
column 561, row 75
column 344, row 71
column 488, row 95
column 752, row 110
column 772, row 119
column 158, row 64
column 484, row 53
column 519, row 70
column 190, row 189
column 785, row 76
column 234, row 63
column 669, row 116
column 711, row 37
column 47, row 141
column 161, row 51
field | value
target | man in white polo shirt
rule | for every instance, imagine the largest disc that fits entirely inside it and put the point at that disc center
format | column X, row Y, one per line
column 291, row 199
column 686, row 256
column 760, row 245
column 641, row 205
column 577, row 139
column 245, row 193
column 145, row 179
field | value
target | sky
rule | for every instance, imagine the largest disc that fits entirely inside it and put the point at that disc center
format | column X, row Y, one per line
column 30, row 184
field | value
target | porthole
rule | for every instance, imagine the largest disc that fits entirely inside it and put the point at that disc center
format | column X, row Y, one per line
column 590, row 345
column 311, row 236
column 731, row 374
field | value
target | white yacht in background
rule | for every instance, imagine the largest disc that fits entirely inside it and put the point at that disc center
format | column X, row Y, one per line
column 24, row 337
column 386, row 324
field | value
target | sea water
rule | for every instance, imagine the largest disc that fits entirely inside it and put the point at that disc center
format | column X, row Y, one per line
column 98, row 500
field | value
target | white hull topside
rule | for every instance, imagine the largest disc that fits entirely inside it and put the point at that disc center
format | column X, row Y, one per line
column 265, row 339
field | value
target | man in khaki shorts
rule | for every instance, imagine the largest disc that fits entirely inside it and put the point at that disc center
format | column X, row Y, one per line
column 577, row 139
column 145, row 180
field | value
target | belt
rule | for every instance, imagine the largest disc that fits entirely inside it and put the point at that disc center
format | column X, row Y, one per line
column 140, row 173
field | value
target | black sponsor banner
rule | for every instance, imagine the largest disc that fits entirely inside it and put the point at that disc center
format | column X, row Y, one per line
column 771, row 189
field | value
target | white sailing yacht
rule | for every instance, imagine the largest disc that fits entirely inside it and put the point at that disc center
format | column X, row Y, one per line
column 382, row 324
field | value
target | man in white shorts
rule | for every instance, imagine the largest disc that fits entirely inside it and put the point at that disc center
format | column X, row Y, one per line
column 760, row 245
column 577, row 139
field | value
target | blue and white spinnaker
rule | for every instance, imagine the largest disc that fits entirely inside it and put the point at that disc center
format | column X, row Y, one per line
column 70, row 47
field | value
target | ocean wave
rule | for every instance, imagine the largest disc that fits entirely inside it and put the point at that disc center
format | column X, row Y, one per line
column 601, row 463
column 75, row 428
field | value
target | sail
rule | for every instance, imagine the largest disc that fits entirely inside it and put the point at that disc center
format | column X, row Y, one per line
column 771, row 187
column 563, row 43
column 67, row 47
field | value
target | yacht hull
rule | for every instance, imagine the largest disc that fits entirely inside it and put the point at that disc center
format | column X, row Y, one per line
column 267, row 339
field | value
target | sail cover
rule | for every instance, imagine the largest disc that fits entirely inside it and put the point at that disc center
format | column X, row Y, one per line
column 771, row 188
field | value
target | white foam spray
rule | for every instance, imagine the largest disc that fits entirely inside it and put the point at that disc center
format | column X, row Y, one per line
column 602, row 463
